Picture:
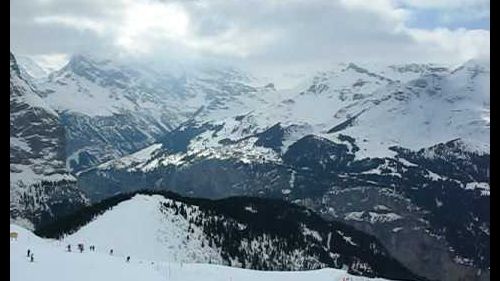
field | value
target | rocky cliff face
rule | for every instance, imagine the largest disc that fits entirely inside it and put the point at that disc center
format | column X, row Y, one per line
column 41, row 188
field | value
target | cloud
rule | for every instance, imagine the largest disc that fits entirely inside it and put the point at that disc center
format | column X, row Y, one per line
column 272, row 34
column 144, row 23
column 465, row 44
column 73, row 22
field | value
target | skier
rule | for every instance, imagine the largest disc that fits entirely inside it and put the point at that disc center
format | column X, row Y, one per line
column 128, row 259
column 28, row 254
column 32, row 258
column 69, row 248
column 111, row 252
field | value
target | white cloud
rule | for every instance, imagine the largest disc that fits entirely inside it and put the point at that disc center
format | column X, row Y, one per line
column 465, row 44
column 278, row 34
column 144, row 22
column 79, row 23
column 386, row 9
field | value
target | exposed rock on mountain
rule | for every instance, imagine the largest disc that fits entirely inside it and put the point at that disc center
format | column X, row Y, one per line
column 41, row 188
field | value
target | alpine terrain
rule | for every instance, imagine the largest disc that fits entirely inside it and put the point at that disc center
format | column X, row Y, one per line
column 374, row 170
column 41, row 188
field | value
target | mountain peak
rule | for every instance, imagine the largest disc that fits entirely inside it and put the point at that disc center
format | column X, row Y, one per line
column 13, row 64
column 102, row 71
column 482, row 65
column 78, row 61
column 475, row 65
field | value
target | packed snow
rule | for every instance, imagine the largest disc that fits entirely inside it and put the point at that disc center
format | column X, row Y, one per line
column 52, row 261
column 127, row 226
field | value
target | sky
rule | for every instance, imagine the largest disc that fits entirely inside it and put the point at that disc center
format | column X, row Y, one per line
column 272, row 35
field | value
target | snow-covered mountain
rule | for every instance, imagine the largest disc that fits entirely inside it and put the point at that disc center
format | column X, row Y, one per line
column 40, row 67
column 405, row 132
column 106, row 112
column 119, row 109
column 242, row 232
column 423, row 107
column 51, row 262
column 32, row 69
column 401, row 151
column 436, row 197
column 417, row 110
column 40, row 186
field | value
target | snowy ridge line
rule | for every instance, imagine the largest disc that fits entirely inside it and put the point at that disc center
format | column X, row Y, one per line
column 227, row 231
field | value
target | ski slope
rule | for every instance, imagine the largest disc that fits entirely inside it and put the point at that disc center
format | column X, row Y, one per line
column 52, row 262
column 138, row 227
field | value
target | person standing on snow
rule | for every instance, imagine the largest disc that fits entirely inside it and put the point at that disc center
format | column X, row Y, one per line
column 32, row 258
column 69, row 248
column 28, row 253
column 111, row 252
column 128, row 259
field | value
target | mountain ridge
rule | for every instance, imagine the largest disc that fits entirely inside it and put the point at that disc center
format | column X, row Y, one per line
column 285, row 226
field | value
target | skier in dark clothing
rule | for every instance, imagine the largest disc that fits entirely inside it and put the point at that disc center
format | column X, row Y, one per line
column 111, row 252
column 28, row 253
column 128, row 259
column 32, row 258
column 69, row 248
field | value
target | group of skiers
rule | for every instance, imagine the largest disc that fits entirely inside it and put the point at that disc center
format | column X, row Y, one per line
column 80, row 248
